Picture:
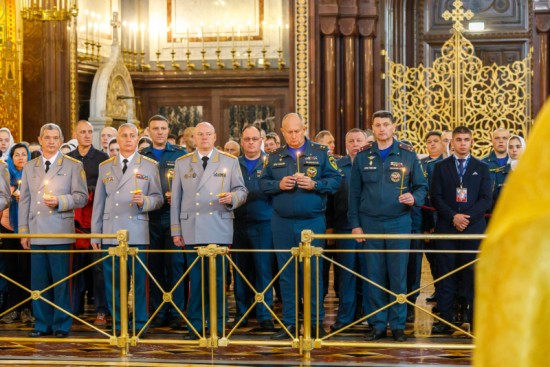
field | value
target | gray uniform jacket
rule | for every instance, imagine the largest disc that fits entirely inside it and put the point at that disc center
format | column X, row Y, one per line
column 195, row 212
column 5, row 191
column 66, row 180
column 113, row 206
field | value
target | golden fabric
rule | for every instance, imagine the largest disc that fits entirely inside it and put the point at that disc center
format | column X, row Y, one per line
column 512, row 309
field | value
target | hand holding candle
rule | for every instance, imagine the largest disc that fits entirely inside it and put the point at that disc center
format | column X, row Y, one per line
column 223, row 180
column 403, row 170
column 137, row 190
column 405, row 198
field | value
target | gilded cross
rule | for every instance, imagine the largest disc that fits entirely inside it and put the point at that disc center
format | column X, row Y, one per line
column 458, row 15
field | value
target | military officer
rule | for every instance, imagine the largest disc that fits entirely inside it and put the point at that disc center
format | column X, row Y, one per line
column 5, row 192
column 298, row 177
column 207, row 187
column 252, row 231
column 497, row 160
column 52, row 186
column 167, row 268
column 386, row 181
column 128, row 187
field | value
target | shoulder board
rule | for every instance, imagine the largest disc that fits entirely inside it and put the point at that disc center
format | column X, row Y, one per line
column 149, row 159
column 141, row 151
column 227, row 154
column 338, row 156
column 177, row 147
column 108, row 160
column 365, row 147
column 315, row 145
column 185, row 156
column 406, row 147
column 278, row 150
column 71, row 158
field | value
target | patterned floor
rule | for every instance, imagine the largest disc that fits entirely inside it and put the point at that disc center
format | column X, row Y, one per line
column 151, row 351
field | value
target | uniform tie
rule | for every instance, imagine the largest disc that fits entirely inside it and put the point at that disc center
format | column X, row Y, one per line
column 48, row 166
column 125, row 167
column 204, row 162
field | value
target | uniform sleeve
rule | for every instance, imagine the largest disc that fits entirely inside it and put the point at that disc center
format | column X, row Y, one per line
column 100, row 195
column 175, row 206
column 418, row 184
column 355, row 188
column 24, row 203
column 267, row 184
column 238, row 188
column 331, row 179
column 78, row 196
column 154, row 198
column 436, row 195
column 5, row 191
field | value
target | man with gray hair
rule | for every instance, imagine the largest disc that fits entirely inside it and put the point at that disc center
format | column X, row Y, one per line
column 52, row 187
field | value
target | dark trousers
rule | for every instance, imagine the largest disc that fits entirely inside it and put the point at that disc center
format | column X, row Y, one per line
column 46, row 269
column 389, row 270
column 167, row 268
column 80, row 260
column 140, row 306
column 199, row 284
column 17, row 266
column 414, row 267
column 256, row 266
column 287, row 234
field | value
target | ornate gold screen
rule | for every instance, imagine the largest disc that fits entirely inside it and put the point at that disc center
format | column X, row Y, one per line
column 459, row 90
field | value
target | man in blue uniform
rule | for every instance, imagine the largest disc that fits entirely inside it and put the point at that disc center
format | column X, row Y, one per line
column 386, row 181
column 497, row 160
column 252, row 231
column 347, row 287
column 167, row 268
column 298, row 177
column 461, row 192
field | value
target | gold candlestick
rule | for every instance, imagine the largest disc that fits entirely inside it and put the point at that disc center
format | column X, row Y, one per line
column 205, row 65
column 219, row 63
column 137, row 190
column 234, row 62
column 174, row 65
column 281, row 62
column 144, row 66
column 402, row 181
column 249, row 63
column 267, row 64
column 189, row 66
column 159, row 65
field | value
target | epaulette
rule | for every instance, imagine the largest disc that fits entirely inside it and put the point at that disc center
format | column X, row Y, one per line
column 108, row 160
column 315, row 145
column 227, row 154
column 406, row 147
column 71, row 158
column 498, row 170
column 149, row 159
column 185, row 156
column 365, row 147
column 177, row 147
column 338, row 156
column 278, row 150
column 141, row 151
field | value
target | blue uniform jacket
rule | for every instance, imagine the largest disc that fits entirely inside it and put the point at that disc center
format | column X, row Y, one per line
column 337, row 214
column 375, row 185
column 257, row 207
column 497, row 173
column 300, row 203
column 166, row 166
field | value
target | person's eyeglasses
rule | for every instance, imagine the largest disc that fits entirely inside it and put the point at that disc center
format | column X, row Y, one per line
column 251, row 139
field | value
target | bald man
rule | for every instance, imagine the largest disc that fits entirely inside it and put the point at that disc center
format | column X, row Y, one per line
column 107, row 134
column 233, row 148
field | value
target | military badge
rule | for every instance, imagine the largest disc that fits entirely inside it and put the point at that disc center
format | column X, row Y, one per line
column 395, row 176
column 258, row 173
column 332, row 162
column 311, row 172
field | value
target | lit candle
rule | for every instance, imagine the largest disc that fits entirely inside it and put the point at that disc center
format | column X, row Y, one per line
column 202, row 37
column 169, row 176
column 45, row 189
column 86, row 13
column 280, row 36
column 19, row 185
column 402, row 181
column 233, row 36
column 298, row 161
column 218, row 34
column 223, row 179
column 158, row 39
column 187, row 39
column 142, row 37
column 248, row 35
column 135, row 179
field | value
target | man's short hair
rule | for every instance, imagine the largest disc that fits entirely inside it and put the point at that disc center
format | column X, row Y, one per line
column 356, row 130
column 251, row 126
column 157, row 118
column 383, row 114
column 321, row 134
column 461, row 130
column 274, row 136
column 128, row 125
column 433, row 133
column 51, row 126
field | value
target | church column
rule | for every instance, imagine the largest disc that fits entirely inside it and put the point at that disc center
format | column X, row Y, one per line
column 329, row 106
column 348, row 28
column 46, row 77
column 541, row 62
column 366, row 25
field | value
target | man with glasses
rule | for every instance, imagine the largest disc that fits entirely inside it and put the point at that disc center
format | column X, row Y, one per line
column 207, row 187
column 52, row 187
column 386, row 181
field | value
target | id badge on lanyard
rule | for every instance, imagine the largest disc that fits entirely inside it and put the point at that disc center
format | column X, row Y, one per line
column 461, row 193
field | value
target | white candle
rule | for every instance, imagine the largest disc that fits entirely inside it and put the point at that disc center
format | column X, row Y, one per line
column 142, row 37
column 248, row 36
column 218, row 35
column 187, row 39
column 86, row 13
column 158, row 39
column 202, row 37
column 233, row 36
column 280, row 36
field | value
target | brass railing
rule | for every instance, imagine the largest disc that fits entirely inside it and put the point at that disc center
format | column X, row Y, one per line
column 215, row 338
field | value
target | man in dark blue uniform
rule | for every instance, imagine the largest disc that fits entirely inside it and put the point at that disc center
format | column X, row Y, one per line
column 461, row 193
column 348, row 294
column 252, row 231
column 386, row 181
column 167, row 268
column 497, row 160
column 298, row 177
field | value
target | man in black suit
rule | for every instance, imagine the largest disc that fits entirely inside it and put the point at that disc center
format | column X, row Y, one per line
column 461, row 193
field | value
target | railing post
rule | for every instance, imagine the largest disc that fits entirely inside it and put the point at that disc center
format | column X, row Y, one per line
column 305, row 254
column 122, row 237
column 213, row 296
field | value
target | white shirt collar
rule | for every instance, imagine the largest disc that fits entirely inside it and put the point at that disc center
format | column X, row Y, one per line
column 467, row 158
column 51, row 160
column 122, row 158
column 209, row 155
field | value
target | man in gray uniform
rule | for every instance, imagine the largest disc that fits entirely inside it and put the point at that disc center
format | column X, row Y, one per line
column 52, row 186
column 128, row 187
column 207, row 187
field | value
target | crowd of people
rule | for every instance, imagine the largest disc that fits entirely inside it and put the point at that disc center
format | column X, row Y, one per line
column 184, row 192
